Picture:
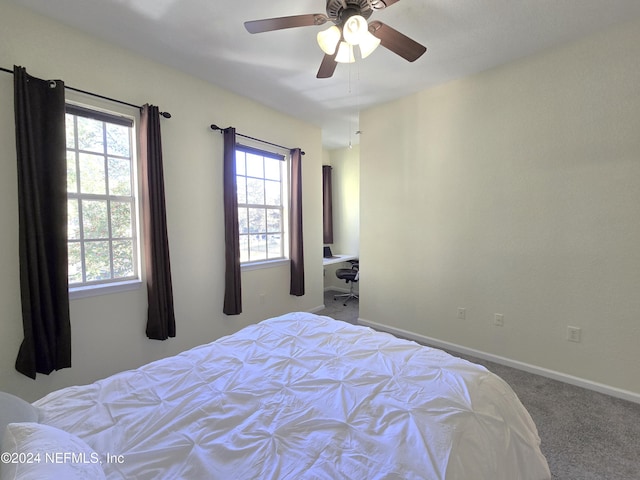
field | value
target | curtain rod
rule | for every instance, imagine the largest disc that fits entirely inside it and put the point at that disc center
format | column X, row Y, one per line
column 115, row 100
column 216, row 127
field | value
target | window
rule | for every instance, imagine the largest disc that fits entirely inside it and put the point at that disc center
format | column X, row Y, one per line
column 102, row 233
column 261, row 185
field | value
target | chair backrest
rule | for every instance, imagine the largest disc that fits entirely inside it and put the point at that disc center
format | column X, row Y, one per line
column 349, row 274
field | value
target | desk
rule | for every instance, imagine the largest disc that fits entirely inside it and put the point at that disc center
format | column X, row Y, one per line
column 338, row 259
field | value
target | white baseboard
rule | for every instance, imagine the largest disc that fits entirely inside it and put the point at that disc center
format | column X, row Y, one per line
column 317, row 309
column 544, row 372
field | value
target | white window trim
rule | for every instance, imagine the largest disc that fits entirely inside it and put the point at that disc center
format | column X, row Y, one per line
column 279, row 262
column 103, row 289
column 285, row 184
column 92, row 290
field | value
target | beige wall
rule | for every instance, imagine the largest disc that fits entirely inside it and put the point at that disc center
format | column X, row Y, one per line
column 346, row 199
column 515, row 191
column 108, row 331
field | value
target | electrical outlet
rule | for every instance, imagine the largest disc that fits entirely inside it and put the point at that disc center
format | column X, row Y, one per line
column 462, row 313
column 574, row 334
column 498, row 320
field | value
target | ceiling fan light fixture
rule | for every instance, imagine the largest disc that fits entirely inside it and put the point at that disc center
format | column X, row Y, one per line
column 368, row 44
column 351, row 27
column 355, row 29
column 329, row 39
column 345, row 53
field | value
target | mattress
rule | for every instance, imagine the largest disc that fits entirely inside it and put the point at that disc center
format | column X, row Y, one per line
column 303, row 396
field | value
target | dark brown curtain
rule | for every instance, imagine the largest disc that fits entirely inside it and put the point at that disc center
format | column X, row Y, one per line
column 296, row 252
column 232, row 280
column 327, row 205
column 161, row 323
column 42, row 204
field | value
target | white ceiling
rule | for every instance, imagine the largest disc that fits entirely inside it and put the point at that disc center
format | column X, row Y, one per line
column 207, row 38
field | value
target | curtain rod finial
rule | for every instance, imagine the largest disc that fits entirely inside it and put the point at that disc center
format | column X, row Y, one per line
column 165, row 114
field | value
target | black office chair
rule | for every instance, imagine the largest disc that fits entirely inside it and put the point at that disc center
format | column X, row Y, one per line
column 351, row 276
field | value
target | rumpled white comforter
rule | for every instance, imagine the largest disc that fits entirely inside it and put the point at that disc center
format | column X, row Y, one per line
column 304, row 397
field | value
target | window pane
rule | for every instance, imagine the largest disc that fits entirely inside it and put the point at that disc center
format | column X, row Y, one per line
column 240, row 165
column 97, row 261
column 241, row 185
column 121, row 220
column 255, row 191
column 272, row 169
column 244, row 248
column 257, row 220
column 274, row 246
column 272, row 193
column 255, row 166
column 72, row 174
column 90, row 135
column 74, row 262
column 73, row 220
column 95, row 219
column 101, row 204
column 274, row 221
column 259, row 181
column 117, row 140
column 243, row 220
column 119, row 177
column 123, row 258
column 257, row 248
column 70, row 128
column 92, row 174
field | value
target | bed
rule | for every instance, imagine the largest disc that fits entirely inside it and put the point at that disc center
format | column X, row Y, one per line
column 299, row 396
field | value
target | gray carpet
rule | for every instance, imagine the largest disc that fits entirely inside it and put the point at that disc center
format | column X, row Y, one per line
column 585, row 435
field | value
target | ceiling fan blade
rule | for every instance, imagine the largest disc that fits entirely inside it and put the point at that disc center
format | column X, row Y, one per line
column 280, row 23
column 397, row 42
column 328, row 66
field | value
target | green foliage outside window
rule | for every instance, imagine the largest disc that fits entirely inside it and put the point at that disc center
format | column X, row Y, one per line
column 102, row 244
column 260, row 186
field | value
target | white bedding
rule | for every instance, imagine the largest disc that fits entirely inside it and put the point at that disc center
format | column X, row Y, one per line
column 304, row 397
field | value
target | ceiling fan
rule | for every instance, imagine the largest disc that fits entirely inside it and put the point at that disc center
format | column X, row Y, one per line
column 350, row 29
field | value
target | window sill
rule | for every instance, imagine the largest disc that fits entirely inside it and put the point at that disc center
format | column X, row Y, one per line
column 103, row 289
column 266, row 264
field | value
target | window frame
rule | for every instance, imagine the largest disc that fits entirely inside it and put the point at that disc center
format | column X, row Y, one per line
column 110, row 285
column 283, row 208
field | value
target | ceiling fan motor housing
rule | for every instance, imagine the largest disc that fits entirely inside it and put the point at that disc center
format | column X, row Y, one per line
column 339, row 11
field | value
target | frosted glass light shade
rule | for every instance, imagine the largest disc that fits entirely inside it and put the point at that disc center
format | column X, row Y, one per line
column 345, row 53
column 355, row 29
column 368, row 44
column 328, row 39
column 354, row 32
